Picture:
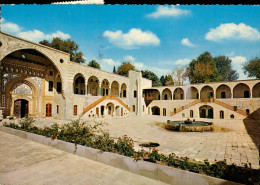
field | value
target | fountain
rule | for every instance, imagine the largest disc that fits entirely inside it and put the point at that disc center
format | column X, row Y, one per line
column 189, row 126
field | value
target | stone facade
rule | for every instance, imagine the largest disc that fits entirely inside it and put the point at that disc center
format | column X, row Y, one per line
column 40, row 81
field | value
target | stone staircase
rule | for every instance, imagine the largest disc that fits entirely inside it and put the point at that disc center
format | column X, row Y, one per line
column 209, row 100
column 109, row 97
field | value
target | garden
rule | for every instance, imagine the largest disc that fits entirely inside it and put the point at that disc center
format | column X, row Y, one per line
column 93, row 135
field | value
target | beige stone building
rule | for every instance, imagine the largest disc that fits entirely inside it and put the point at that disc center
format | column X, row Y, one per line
column 39, row 81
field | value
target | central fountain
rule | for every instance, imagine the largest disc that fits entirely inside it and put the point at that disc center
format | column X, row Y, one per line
column 189, row 126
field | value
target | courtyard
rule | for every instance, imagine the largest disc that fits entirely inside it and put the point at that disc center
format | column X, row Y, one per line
column 236, row 141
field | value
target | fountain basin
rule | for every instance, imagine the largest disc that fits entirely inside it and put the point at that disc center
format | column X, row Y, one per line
column 194, row 126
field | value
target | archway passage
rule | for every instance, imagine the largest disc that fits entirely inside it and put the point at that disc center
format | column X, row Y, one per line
column 93, row 86
column 166, row 94
column 178, row 94
column 192, row 93
column 223, row 91
column 241, row 90
column 115, row 88
column 256, row 90
column 105, row 87
column 206, row 92
column 156, row 110
column 79, row 84
column 206, row 111
column 21, row 108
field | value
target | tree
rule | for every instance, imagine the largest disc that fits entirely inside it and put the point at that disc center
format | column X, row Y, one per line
column 163, row 79
column 169, row 81
column 203, row 69
column 178, row 75
column 67, row 46
column 114, row 70
column 151, row 76
column 225, row 71
column 124, row 68
column 94, row 64
column 252, row 68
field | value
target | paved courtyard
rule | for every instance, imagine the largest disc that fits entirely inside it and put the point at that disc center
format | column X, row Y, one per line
column 27, row 162
column 239, row 144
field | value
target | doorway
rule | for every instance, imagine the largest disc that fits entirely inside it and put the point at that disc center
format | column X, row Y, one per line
column 21, row 108
column 48, row 110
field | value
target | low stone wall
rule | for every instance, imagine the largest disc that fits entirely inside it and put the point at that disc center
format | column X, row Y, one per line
column 162, row 173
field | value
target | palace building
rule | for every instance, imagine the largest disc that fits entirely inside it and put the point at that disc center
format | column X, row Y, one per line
column 39, row 81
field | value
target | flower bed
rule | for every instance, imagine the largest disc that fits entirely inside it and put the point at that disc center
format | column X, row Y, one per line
column 93, row 136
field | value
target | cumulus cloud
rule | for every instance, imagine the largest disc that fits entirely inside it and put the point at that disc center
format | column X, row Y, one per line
column 231, row 31
column 182, row 61
column 133, row 39
column 238, row 59
column 168, row 11
column 110, row 62
column 139, row 65
column 9, row 26
column 32, row 35
column 129, row 58
column 187, row 42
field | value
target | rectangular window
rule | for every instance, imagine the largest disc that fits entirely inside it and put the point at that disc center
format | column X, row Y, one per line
column 143, row 108
column 50, row 85
column 133, row 108
column 57, row 109
column 191, row 113
column 135, row 94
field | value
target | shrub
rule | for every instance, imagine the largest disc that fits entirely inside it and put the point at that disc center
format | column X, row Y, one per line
column 125, row 146
column 26, row 123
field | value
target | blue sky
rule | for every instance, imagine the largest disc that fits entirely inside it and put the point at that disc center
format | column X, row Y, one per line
column 156, row 37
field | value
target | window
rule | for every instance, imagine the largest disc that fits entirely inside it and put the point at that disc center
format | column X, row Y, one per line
column 50, row 85
column 235, row 108
column 223, row 94
column 124, row 93
column 58, row 87
column 135, row 94
column 61, row 61
column 221, row 114
column 75, row 110
column 165, row 97
column 247, row 111
column 133, row 108
column 51, row 73
column 57, row 109
column 191, row 113
column 143, row 108
column 232, row 116
column 48, row 110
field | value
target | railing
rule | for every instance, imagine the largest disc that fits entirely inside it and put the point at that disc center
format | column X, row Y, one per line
column 239, row 111
column 185, row 107
column 110, row 97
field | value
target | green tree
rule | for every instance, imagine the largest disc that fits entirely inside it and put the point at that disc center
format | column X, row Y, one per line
column 252, row 68
column 67, row 46
column 94, row 64
column 203, row 69
column 169, row 81
column 151, row 76
column 163, row 79
column 124, row 68
column 225, row 71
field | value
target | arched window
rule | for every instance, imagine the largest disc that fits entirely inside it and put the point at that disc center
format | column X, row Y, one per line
column 191, row 113
column 133, row 108
column 164, row 112
column 232, row 116
column 247, row 111
column 59, row 87
column 57, row 109
column 75, row 110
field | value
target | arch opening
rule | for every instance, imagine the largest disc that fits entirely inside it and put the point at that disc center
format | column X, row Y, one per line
column 156, row 111
column 241, row 90
column 206, row 92
column 206, row 111
column 223, row 91
column 256, row 90
column 93, row 86
column 192, row 93
column 178, row 94
column 167, row 94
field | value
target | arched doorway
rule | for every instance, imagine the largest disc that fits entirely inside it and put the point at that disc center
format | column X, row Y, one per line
column 79, row 84
column 48, row 110
column 192, row 93
column 105, row 87
column 110, row 109
column 206, row 111
column 115, row 88
column 123, row 91
column 206, row 92
column 21, row 108
column 156, row 110
column 167, row 94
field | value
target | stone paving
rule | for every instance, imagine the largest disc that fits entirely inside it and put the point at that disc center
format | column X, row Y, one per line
column 27, row 162
column 239, row 145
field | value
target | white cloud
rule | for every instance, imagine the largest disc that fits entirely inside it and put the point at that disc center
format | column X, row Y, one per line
column 139, row 65
column 168, row 11
column 187, row 42
column 9, row 26
column 133, row 39
column 231, row 31
column 182, row 61
column 32, row 35
column 238, row 59
column 37, row 35
column 129, row 58
column 110, row 62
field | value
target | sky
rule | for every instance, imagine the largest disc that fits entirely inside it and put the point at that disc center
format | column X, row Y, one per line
column 153, row 37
